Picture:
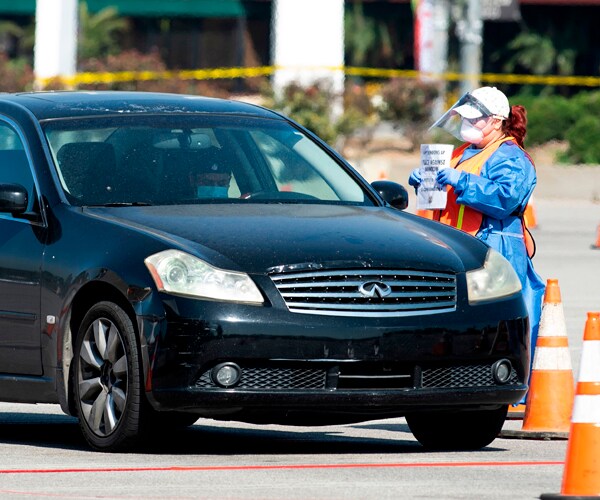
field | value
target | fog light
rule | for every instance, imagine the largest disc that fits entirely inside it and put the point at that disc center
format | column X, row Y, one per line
column 226, row 374
column 501, row 371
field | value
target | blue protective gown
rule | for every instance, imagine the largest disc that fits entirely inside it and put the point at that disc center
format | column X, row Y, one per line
column 502, row 189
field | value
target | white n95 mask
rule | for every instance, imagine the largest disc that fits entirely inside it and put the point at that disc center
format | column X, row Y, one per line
column 470, row 133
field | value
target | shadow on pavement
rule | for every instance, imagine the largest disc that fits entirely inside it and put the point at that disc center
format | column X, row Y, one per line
column 62, row 431
column 240, row 441
column 49, row 431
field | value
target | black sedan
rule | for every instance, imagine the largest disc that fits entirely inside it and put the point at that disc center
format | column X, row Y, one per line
column 169, row 257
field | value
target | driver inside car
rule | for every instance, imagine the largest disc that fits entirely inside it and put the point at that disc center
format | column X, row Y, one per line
column 211, row 177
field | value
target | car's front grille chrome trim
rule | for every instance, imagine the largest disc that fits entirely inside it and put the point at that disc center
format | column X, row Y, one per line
column 342, row 292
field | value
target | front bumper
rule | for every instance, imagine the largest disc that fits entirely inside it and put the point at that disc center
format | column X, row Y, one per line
column 331, row 406
column 291, row 363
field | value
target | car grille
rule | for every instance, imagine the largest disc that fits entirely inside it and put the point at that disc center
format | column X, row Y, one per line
column 354, row 377
column 367, row 292
column 274, row 378
column 462, row 376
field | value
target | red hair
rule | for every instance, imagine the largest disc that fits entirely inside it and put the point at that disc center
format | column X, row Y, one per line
column 516, row 124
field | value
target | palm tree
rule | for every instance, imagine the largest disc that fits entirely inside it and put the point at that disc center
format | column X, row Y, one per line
column 97, row 32
column 360, row 34
column 366, row 38
column 545, row 53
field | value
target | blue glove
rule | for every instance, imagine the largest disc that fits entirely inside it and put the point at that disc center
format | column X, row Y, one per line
column 415, row 178
column 448, row 176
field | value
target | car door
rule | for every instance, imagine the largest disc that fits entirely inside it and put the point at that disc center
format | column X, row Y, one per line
column 20, row 260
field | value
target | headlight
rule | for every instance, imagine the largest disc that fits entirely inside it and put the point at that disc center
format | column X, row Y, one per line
column 495, row 279
column 183, row 274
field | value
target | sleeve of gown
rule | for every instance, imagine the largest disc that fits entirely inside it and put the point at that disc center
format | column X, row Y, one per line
column 501, row 190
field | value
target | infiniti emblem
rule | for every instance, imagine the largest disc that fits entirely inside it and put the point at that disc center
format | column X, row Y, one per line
column 375, row 289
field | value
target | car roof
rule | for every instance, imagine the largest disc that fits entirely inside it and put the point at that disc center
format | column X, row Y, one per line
column 59, row 104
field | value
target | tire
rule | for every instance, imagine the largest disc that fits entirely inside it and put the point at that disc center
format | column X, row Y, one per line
column 107, row 379
column 460, row 430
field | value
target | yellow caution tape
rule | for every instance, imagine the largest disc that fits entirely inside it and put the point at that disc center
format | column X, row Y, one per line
column 583, row 81
column 226, row 73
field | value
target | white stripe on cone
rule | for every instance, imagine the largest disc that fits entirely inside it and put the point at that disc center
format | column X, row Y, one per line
column 589, row 368
column 552, row 358
column 552, row 322
column 586, row 410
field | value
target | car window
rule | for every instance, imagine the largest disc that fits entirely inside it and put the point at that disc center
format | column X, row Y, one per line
column 298, row 166
column 195, row 159
column 14, row 166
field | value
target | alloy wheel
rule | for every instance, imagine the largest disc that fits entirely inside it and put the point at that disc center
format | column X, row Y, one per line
column 102, row 377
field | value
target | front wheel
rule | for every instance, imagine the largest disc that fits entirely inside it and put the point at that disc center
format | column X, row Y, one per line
column 459, row 430
column 107, row 379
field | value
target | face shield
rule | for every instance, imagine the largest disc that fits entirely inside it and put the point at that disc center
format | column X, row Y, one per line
column 467, row 107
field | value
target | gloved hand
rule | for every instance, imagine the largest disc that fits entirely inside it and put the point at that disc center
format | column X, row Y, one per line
column 448, row 176
column 415, row 178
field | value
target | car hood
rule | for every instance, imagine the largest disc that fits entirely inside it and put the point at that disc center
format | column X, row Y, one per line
column 259, row 238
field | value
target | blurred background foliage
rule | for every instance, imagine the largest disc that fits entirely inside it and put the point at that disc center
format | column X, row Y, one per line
column 574, row 120
column 374, row 37
column 99, row 33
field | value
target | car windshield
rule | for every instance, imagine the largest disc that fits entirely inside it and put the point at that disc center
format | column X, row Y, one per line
column 181, row 159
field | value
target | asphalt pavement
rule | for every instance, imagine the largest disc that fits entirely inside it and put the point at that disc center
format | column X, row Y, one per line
column 42, row 455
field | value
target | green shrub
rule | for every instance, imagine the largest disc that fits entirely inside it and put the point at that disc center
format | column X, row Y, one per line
column 574, row 120
column 548, row 117
column 587, row 103
column 584, row 140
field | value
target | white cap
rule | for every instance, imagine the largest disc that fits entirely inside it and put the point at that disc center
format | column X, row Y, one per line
column 494, row 101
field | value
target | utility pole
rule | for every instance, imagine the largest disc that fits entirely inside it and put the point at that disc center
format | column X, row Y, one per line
column 469, row 29
column 55, row 52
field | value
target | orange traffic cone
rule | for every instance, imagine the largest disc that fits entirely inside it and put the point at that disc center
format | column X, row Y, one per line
column 530, row 215
column 597, row 244
column 382, row 176
column 550, row 396
column 581, row 477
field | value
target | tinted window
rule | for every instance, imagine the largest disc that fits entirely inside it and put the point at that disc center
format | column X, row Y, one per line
column 181, row 159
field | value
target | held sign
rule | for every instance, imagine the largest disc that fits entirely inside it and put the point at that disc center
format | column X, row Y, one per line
column 430, row 195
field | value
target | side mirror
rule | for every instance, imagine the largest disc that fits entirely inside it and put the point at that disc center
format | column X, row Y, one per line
column 13, row 199
column 392, row 192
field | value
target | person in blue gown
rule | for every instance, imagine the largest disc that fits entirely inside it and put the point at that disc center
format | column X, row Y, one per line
column 503, row 186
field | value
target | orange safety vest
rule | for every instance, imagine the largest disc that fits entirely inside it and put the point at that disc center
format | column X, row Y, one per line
column 463, row 217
